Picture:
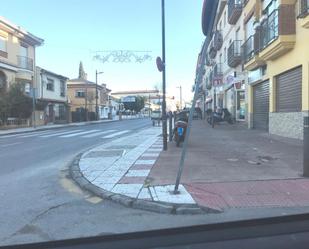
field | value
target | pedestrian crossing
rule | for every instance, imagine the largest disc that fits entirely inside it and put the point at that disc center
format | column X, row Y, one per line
column 67, row 134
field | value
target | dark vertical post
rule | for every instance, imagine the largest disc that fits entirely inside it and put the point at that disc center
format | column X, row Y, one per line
column 306, row 146
column 170, row 128
column 33, row 106
column 164, row 124
column 96, row 96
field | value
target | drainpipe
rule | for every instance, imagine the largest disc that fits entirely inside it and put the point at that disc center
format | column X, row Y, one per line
column 306, row 145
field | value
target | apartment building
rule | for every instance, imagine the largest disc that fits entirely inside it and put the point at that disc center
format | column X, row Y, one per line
column 276, row 56
column 17, row 55
column 52, row 94
column 269, row 73
column 82, row 97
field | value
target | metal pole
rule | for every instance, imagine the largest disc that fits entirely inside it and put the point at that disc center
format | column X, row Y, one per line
column 180, row 97
column 33, row 106
column 306, row 146
column 86, row 96
column 198, row 79
column 96, row 95
column 164, row 124
column 170, row 128
column 149, row 106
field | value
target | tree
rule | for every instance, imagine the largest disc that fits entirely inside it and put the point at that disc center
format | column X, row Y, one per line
column 3, row 107
column 136, row 106
column 19, row 105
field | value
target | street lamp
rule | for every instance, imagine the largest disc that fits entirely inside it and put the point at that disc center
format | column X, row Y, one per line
column 96, row 94
column 164, row 123
column 180, row 97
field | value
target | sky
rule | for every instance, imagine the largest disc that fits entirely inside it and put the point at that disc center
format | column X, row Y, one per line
column 74, row 30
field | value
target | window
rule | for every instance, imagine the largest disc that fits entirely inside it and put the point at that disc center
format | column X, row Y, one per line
column 80, row 94
column 62, row 88
column 50, row 85
column 3, row 41
column 303, row 8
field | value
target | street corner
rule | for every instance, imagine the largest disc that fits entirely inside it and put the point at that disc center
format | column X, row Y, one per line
column 119, row 171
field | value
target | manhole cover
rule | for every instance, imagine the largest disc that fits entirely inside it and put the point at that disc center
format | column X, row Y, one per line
column 105, row 153
column 124, row 147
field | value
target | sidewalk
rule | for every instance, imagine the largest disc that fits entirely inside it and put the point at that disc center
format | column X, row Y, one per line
column 232, row 167
column 226, row 167
column 58, row 126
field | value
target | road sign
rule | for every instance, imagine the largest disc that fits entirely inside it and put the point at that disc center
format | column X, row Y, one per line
column 128, row 99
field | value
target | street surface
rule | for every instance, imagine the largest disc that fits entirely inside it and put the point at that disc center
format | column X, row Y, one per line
column 39, row 201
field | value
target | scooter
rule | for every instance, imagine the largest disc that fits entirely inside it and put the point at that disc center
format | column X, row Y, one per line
column 180, row 129
column 218, row 117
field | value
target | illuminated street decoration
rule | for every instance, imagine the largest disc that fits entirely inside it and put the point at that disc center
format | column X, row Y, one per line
column 122, row 56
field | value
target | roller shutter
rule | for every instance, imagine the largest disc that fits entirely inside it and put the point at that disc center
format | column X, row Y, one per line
column 261, row 105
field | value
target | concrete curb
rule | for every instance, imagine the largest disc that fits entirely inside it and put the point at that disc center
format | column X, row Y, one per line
column 60, row 127
column 154, row 206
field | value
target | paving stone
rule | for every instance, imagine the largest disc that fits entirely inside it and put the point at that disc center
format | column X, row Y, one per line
column 151, row 162
column 189, row 210
column 138, row 173
column 153, row 206
column 131, row 190
column 122, row 200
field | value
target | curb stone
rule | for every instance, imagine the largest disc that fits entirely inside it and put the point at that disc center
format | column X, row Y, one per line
column 158, row 207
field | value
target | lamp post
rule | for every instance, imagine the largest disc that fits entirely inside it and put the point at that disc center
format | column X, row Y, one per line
column 164, row 123
column 96, row 95
column 180, row 97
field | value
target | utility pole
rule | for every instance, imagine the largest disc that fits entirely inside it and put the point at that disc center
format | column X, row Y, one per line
column 86, row 96
column 33, row 103
column 164, row 123
column 180, row 97
column 96, row 95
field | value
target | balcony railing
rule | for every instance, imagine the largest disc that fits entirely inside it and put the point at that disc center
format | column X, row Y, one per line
column 303, row 8
column 25, row 62
column 218, row 70
column 269, row 30
column 234, row 10
column 248, row 49
column 234, row 54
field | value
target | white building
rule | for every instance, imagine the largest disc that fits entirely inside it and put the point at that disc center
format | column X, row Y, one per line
column 52, row 93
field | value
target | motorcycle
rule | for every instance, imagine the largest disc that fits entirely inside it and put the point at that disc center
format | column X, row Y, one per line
column 218, row 117
column 181, row 123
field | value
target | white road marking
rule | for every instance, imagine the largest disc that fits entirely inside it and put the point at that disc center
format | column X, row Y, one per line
column 5, row 145
column 37, row 134
column 79, row 133
column 60, row 133
column 98, row 133
column 116, row 134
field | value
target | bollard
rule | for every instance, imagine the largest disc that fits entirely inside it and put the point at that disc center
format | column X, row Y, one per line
column 170, row 128
column 306, row 147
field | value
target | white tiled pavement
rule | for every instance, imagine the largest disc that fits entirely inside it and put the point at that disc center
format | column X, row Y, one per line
column 106, row 172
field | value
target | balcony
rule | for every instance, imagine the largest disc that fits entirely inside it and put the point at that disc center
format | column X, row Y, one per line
column 234, row 54
column 304, row 13
column 25, row 62
column 277, row 33
column 234, row 11
column 218, row 40
column 250, row 50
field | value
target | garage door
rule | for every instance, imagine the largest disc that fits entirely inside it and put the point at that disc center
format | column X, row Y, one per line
column 289, row 91
column 261, row 105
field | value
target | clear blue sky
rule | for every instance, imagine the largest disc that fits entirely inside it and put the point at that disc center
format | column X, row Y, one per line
column 74, row 29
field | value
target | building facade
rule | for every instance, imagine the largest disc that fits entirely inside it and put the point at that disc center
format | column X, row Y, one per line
column 264, row 75
column 17, row 56
column 82, row 97
column 51, row 93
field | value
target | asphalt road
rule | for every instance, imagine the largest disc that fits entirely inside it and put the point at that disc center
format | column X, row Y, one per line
column 39, row 201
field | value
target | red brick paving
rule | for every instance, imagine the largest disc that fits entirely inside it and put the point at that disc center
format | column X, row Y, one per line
column 268, row 193
column 141, row 166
